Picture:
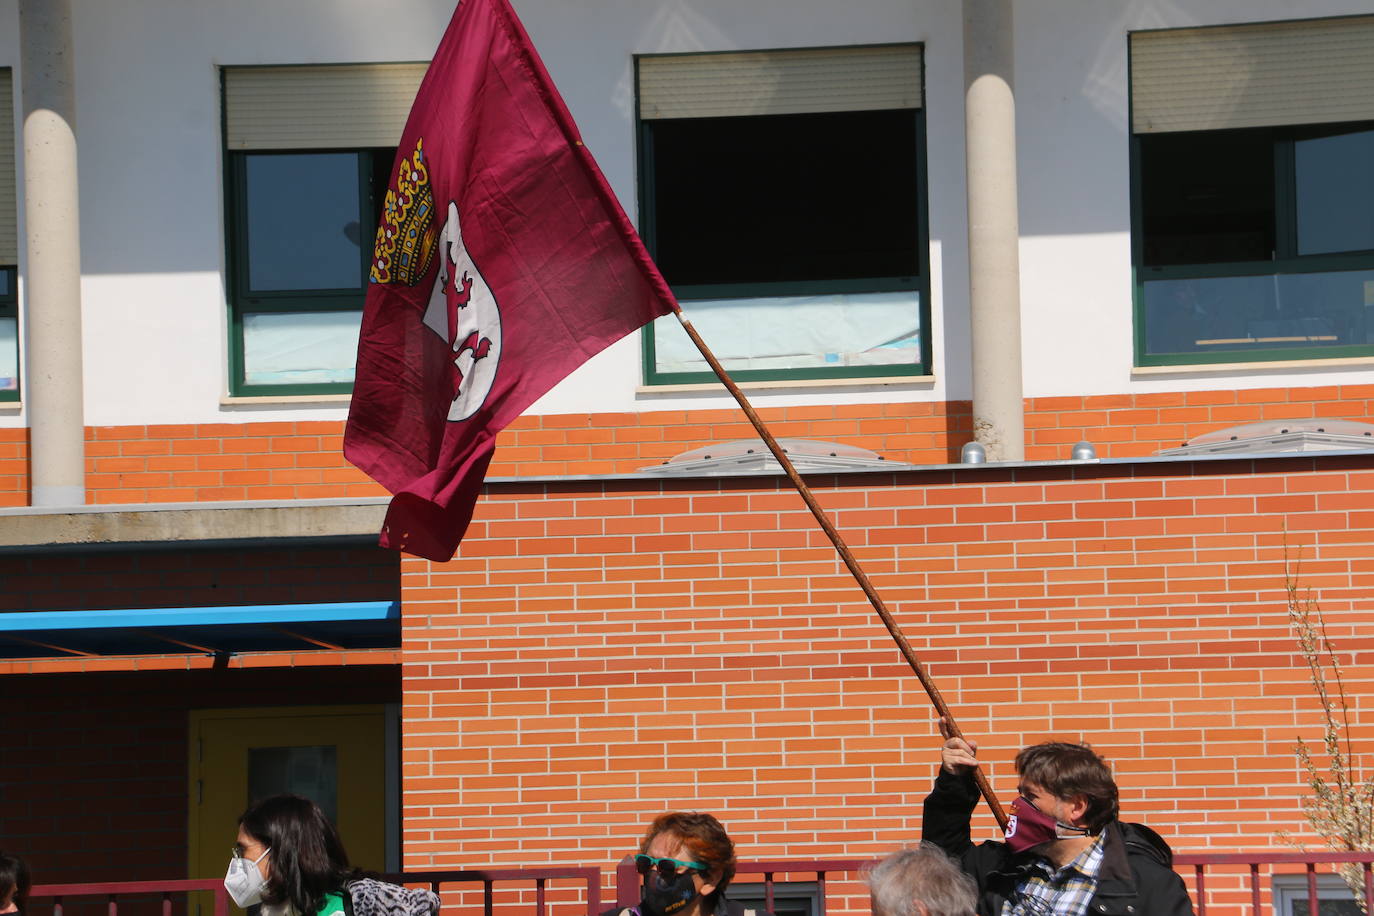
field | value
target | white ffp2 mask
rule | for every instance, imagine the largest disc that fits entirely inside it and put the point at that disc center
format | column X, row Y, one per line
column 244, row 881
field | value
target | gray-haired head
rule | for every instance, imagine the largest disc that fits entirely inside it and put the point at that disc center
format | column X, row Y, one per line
column 921, row 881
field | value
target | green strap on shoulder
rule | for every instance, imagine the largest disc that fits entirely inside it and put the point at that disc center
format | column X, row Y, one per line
column 333, row 903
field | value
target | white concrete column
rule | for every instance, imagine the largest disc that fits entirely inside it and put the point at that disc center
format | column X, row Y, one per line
column 993, row 229
column 52, row 380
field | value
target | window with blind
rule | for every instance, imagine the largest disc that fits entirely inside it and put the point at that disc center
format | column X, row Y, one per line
column 309, row 152
column 1253, row 191
column 782, row 194
column 9, row 245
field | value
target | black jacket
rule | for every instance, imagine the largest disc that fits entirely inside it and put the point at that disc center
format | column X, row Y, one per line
column 1136, row 878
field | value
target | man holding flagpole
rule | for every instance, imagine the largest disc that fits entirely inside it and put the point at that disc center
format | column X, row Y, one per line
column 1065, row 851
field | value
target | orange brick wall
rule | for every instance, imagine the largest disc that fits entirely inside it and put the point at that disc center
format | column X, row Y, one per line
column 304, row 460
column 220, row 461
column 599, row 653
column 14, row 467
column 1134, row 426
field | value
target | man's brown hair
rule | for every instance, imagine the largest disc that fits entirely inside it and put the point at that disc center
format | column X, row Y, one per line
column 1067, row 770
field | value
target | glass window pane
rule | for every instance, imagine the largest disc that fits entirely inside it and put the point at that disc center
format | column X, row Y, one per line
column 1334, row 898
column 803, row 197
column 284, row 348
column 795, row 332
column 311, row 771
column 790, row 898
column 303, row 222
column 1271, row 311
column 1329, row 907
column 1207, row 197
column 9, row 354
column 1335, row 177
column 6, row 283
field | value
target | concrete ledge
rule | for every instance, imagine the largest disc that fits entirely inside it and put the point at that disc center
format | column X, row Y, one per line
column 172, row 526
column 186, row 525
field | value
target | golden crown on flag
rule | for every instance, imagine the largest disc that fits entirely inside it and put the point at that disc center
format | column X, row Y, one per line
column 408, row 231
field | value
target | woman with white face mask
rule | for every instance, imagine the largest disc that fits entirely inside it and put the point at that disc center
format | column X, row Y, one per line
column 289, row 859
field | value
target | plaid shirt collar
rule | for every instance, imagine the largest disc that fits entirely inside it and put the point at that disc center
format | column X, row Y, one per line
column 1048, row 891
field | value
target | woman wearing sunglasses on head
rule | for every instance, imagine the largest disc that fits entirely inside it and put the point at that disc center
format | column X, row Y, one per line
column 289, row 861
column 686, row 860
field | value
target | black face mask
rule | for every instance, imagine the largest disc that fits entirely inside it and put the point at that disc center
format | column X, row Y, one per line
column 666, row 897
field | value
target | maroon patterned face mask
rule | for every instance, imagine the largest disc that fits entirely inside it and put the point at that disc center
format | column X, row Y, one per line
column 1028, row 826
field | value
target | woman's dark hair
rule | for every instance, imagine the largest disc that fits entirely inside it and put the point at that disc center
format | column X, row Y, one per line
column 705, row 837
column 14, row 880
column 1069, row 770
column 307, row 858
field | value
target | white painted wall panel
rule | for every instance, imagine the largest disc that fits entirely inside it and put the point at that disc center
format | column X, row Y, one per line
column 1074, row 188
column 151, row 161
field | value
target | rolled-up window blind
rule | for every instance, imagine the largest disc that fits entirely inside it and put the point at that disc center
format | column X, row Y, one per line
column 334, row 106
column 736, row 83
column 1315, row 71
column 9, row 194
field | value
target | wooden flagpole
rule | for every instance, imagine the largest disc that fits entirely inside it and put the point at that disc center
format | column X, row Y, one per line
column 849, row 560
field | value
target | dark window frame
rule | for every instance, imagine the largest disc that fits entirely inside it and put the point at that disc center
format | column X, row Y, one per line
column 790, row 898
column 9, row 308
column 920, row 284
column 1285, row 259
column 244, row 301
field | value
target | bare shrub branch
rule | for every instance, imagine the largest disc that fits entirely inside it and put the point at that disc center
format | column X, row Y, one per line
column 1341, row 807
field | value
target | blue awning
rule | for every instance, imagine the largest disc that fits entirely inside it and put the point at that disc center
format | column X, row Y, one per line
column 207, row 630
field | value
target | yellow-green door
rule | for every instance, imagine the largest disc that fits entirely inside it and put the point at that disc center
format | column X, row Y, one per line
column 335, row 755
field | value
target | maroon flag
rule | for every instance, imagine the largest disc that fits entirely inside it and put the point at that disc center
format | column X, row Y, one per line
column 502, row 262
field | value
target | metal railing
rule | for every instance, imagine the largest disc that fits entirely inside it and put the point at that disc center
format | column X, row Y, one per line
column 627, row 879
column 112, row 892
column 819, row 867
column 1250, row 869
column 1251, row 863
column 591, row 878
